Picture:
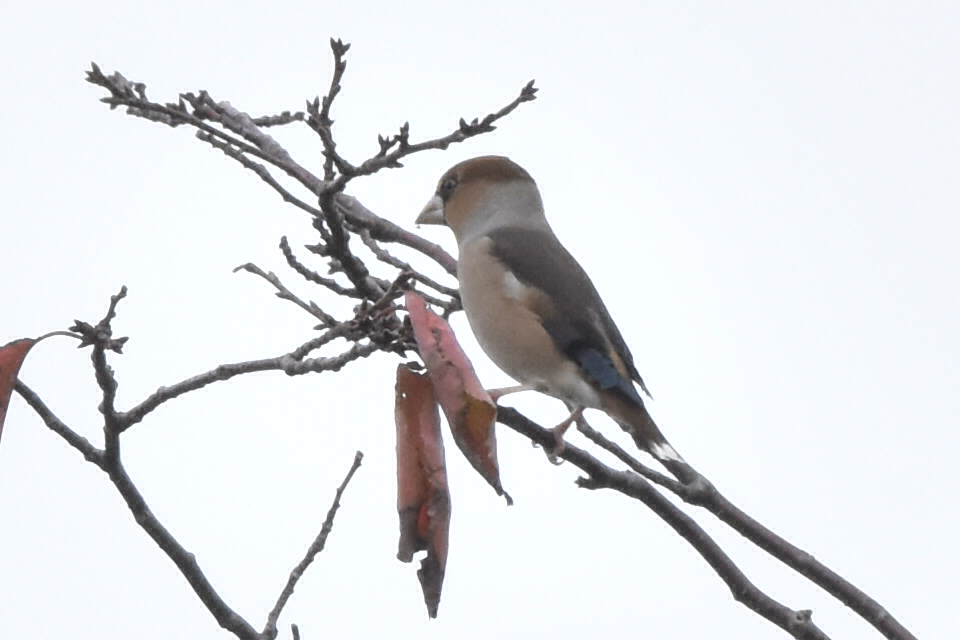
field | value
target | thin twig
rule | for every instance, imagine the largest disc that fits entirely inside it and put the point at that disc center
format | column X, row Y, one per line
column 101, row 337
column 376, row 326
column 173, row 115
column 289, row 364
column 387, row 258
column 75, row 440
column 398, row 286
column 394, row 149
column 664, row 481
column 133, row 96
column 67, row 334
column 707, row 496
column 326, row 320
column 804, row 564
column 320, row 121
column 342, row 330
column 259, row 169
column 338, row 242
column 186, row 562
column 798, row 623
column 312, row 276
column 270, row 629
column 280, row 119
column 338, row 248
column 385, row 231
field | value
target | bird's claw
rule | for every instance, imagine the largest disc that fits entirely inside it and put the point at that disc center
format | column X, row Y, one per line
column 559, row 445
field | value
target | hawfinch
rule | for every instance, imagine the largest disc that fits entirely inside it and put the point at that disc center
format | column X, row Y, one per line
column 532, row 307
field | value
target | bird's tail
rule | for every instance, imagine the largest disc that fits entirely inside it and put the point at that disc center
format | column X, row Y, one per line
column 633, row 417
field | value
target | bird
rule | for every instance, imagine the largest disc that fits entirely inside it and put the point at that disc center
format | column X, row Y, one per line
column 533, row 309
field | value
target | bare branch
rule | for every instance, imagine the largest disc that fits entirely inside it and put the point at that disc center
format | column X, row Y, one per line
column 313, row 276
column 280, row 119
column 240, row 123
column 706, row 495
column 133, row 96
column 654, row 476
column 101, row 333
column 342, row 330
column 377, row 327
column 320, row 121
column 386, row 257
column 392, row 150
column 804, row 564
column 338, row 248
column 185, row 561
column 386, row 231
column 270, row 629
column 326, row 320
column 339, row 66
column 799, row 624
column 137, row 104
column 292, row 364
column 398, row 286
column 259, row 169
column 101, row 337
column 75, row 440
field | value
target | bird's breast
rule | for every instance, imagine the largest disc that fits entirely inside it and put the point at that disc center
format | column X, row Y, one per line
column 505, row 315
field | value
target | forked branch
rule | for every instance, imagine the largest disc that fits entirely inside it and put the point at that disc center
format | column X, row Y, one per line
column 360, row 269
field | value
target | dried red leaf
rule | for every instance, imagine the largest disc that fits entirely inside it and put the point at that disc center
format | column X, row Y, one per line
column 11, row 357
column 470, row 411
column 423, row 497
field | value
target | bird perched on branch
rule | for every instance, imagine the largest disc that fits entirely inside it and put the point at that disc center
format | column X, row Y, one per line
column 532, row 307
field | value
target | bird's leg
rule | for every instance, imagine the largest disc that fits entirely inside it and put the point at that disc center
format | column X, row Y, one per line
column 496, row 394
column 576, row 412
column 558, row 432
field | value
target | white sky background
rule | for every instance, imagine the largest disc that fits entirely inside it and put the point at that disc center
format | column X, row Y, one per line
column 768, row 197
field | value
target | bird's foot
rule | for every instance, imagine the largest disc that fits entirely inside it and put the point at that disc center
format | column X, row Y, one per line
column 559, row 444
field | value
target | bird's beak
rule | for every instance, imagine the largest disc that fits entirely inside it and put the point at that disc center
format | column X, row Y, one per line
column 433, row 212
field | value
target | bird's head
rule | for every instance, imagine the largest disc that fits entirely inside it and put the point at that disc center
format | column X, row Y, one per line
column 479, row 195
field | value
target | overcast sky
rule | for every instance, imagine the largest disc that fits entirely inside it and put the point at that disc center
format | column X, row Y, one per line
column 767, row 195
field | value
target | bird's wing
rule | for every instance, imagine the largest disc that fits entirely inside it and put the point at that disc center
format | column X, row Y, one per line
column 570, row 308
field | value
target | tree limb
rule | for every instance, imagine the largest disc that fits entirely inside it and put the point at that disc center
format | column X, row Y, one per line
column 270, row 629
column 376, row 326
column 799, row 624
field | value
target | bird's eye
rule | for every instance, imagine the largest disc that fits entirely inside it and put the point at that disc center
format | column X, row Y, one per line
column 447, row 188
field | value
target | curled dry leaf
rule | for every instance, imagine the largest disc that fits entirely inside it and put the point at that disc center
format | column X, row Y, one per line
column 11, row 357
column 470, row 411
column 423, row 497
